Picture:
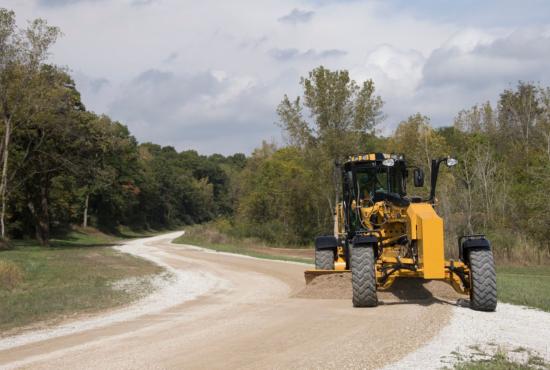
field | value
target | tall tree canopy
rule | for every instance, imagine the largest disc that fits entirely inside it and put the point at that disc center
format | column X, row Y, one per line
column 343, row 115
column 342, row 119
column 62, row 165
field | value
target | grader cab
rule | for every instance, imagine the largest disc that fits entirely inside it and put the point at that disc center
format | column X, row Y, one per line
column 382, row 234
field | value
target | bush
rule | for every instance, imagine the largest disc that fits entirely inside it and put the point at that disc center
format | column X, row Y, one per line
column 518, row 249
column 4, row 244
column 10, row 275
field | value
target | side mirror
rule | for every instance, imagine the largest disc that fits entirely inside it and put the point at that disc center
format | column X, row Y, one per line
column 451, row 162
column 418, row 175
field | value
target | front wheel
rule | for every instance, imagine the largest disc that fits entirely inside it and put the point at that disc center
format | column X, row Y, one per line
column 483, row 289
column 363, row 276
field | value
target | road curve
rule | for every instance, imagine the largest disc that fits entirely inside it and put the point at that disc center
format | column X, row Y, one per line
column 249, row 321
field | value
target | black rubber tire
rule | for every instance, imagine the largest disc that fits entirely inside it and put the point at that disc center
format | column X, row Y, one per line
column 324, row 259
column 483, row 292
column 363, row 277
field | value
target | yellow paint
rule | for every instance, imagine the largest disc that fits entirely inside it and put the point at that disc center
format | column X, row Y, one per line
column 340, row 263
column 366, row 157
column 429, row 234
column 419, row 222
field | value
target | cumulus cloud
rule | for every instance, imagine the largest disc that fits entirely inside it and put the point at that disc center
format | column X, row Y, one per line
column 490, row 63
column 154, row 93
column 208, row 75
column 187, row 110
column 172, row 57
column 97, row 84
column 400, row 68
column 58, row 3
column 55, row 3
column 475, row 66
column 142, row 2
column 470, row 67
column 297, row 16
column 292, row 54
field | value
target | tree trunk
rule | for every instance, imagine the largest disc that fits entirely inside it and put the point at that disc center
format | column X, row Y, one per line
column 85, row 218
column 4, row 179
column 32, row 210
column 41, row 216
column 44, row 219
column 337, row 190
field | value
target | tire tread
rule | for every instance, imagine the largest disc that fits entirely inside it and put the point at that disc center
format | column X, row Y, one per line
column 483, row 294
column 324, row 259
column 363, row 277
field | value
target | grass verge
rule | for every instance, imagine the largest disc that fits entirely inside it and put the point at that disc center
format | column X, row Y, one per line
column 516, row 359
column 75, row 275
column 527, row 286
column 207, row 236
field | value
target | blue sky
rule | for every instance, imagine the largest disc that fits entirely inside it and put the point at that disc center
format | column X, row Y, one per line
column 208, row 75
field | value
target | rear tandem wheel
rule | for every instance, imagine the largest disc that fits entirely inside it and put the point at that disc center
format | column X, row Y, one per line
column 483, row 290
column 324, row 259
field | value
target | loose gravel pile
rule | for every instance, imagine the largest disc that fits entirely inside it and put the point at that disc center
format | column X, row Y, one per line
column 509, row 328
column 338, row 286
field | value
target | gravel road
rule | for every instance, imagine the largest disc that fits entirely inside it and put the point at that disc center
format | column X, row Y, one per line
column 226, row 311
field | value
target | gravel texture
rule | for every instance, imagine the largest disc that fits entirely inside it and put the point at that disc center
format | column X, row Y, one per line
column 244, row 318
column 338, row 286
column 469, row 332
column 249, row 321
column 169, row 289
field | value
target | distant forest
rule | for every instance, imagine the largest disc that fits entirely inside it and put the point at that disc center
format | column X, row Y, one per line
column 62, row 165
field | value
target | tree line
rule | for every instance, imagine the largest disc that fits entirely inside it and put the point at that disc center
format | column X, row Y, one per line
column 64, row 165
column 499, row 187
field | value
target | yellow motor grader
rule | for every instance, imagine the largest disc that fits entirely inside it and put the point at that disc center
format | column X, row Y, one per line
column 381, row 235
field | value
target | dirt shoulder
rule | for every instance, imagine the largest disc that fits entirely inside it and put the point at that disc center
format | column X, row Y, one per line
column 72, row 278
column 505, row 331
column 251, row 311
column 246, row 247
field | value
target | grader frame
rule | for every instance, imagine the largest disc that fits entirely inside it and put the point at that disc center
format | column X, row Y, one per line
column 382, row 235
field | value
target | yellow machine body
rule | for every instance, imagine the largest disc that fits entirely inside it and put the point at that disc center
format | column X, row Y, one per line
column 426, row 227
column 418, row 224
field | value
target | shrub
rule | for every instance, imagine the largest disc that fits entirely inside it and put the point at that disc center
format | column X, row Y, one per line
column 10, row 275
column 4, row 244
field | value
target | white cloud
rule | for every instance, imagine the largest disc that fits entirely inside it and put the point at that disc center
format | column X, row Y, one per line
column 479, row 69
column 400, row 69
column 297, row 16
column 208, row 75
column 293, row 54
column 174, row 109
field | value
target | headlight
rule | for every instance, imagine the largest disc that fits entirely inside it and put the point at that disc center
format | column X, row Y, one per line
column 388, row 162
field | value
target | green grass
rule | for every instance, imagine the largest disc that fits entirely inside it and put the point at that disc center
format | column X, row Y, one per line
column 501, row 361
column 207, row 237
column 73, row 276
column 527, row 286
column 236, row 249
